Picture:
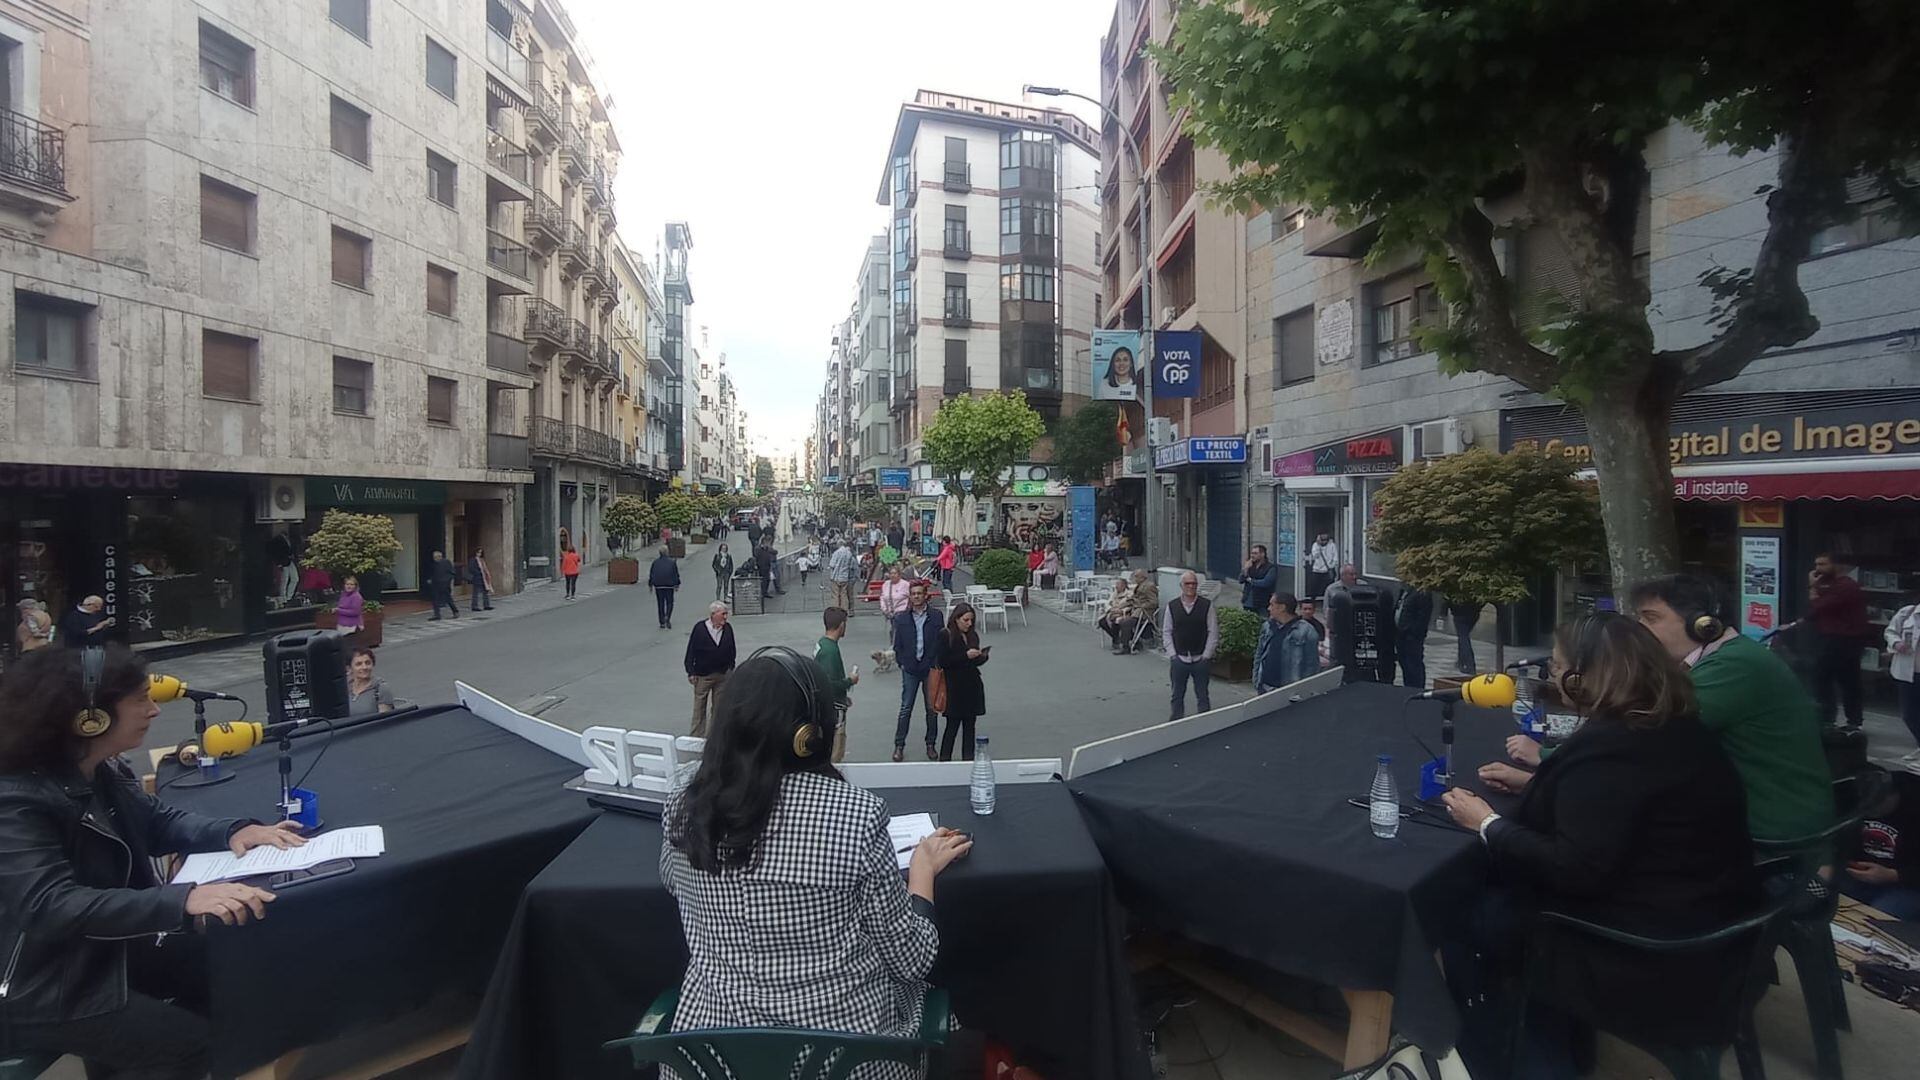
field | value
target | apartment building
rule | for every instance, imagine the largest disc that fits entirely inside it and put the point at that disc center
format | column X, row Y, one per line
column 992, row 248
column 641, row 316
column 1198, row 259
column 834, row 413
column 869, row 366
column 677, row 292
column 252, row 276
column 706, row 456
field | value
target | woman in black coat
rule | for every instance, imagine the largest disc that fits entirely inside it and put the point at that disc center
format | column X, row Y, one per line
column 961, row 657
column 1638, row 823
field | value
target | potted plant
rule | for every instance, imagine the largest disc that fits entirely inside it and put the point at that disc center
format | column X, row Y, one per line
column 624, row 519
column 675, row 510
column 1239, row 636
column 1000, row 568
column 358, row 545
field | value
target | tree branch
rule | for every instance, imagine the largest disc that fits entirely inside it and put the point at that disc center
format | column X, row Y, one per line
column 1499, row 346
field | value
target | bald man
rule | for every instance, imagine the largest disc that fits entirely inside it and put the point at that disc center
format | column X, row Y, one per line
column 84, row 625
column 1190, row 629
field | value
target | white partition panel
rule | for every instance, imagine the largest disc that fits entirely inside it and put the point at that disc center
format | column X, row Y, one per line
column 1109, row 752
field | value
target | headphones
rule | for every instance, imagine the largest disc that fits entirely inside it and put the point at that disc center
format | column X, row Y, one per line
column 1704, row 627
column 92, row 721
column 809, row 737
column 1586, row 641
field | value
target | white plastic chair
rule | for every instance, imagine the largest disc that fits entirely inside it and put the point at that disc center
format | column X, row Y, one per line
column 1012, row 601
column 991, row 602
column 1074, row 590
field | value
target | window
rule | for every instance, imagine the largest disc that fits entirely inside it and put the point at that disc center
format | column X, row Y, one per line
column 956, row 369
column 441, row 175
column 351, row 16
column 1545, row 286
column 226, row 365
column 1027, row 225
column 1026, row 160
column 1020, row 281
column 956, row 229
column 956, row 306
column 351, row 131
column 440, row 394
column 441, row 284
column 1401, row 307
column 226, row 215
column 351, row 255
column 1875, row 220
column 1288, row 224
column 49, row 335
column 352, row 385
column 956, row 150
column 442, row 68
column 226, row 66
column 1293, row 347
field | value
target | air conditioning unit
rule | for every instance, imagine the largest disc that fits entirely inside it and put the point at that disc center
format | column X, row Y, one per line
column 281, row 498
column 1438, row 438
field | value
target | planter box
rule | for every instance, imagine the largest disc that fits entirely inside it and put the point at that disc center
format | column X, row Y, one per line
column 677, row 547
column 699, row 538
column 370, row 635
column 623, row 571
column 1232, row 668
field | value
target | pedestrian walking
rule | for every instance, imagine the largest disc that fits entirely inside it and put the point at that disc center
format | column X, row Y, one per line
column 916, row 649
column 710, row 658
column 1191, row 629
column 754, row 532
column 1322, row 560
column 949, row 558
column 804, row 562
column 1839, row 617
column 1289, row 648
column 768, row 562
column 722, row 573
column 1903, row 642
column 842, row 571
column 1258, row 578
column 570, row 568
column 440, row 585
column 1412, row 617
column 961, row 658
column 663, row 577
column 480, row 580
column 826, row 653
column 894, row 592
column 896, row 537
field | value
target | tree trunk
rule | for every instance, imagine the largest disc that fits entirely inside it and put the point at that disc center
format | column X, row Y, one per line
column 1628, row 433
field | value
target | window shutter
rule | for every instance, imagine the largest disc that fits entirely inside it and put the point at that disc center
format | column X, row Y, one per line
column 1294, row 337
column 224, row 215
column 349, row 259
column 349, row 131
column 440, row 394
column 226, row 366
column 1546, row 276
column 440, row 290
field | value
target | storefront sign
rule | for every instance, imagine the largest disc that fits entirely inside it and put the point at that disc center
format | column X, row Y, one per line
column 1811, row 432
column 1285, row 549
column 341, row 491
column 1759, row 585
column 832, row 480
column 1377, row 453
column 87, row 477
column 896, row 480
column 1231, row 450
column 1027, row 488
column 110, row 578
column 1176, row 364
column 1769, row 487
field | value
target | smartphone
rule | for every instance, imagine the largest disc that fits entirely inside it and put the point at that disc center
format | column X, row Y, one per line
column 317, row 872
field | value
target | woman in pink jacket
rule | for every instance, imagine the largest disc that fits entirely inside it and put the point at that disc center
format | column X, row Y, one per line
column 893, row 592
column 948, row 557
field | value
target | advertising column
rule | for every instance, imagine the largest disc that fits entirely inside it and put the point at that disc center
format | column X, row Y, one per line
column 1759, row 585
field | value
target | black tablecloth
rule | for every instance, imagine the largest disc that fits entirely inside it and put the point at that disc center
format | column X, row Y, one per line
column 1244, row 840
column 1029, row 946
column 471, row 814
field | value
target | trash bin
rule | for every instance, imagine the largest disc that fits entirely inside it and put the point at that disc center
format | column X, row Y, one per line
column 1167, row 578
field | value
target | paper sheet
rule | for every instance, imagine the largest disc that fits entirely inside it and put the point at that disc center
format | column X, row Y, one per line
column 907, row 830
column 360, row 842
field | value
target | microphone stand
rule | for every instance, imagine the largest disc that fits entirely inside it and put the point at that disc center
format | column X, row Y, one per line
column 199, row 716
column 286, row 777
column 1446, row 742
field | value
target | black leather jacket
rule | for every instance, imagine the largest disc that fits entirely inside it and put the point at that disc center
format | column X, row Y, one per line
column 77, row 883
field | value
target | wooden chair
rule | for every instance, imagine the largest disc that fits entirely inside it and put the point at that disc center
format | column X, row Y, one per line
column 776, row 1053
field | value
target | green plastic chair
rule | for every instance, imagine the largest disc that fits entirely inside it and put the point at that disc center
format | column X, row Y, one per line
column 26, row 1066
column 1695, row 1062
column 776, row 1053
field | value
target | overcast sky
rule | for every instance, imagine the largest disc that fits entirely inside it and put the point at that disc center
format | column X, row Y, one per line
column 764, row 124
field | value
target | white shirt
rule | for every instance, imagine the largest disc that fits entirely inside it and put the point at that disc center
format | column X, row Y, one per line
column 1326, row 557
column 714, row 631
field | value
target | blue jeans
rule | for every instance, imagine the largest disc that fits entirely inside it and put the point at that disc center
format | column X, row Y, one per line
column 1199, row 673
column 912, row 685
column 946, row 581
column 1899, row 901
column 1413, row 660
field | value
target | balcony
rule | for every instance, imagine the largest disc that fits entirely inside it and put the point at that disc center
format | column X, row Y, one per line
column 912, row 191
column 543, row 116
column 507, row 255
column 609, row 290
column 956, row 176
column 33, row 164
column 957, row 244
column 574, row 256
column 577, row 349
column 549, row 437
column 576, row 152
column 607, row 359
column 502, row 54
column 1326, row 236
column 509, row 159
column 508, row 452
column 545, row 223
column 591, row 189
column 958, row 311
column 593, row 271
column 507, row 353
column 546, row 325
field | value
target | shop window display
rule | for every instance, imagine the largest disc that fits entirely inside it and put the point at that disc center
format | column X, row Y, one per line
column 182, row 580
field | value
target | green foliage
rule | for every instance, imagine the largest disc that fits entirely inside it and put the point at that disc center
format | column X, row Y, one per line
column 676, row 509
column 1480, row 526
column 984, row 436
column 762, row 474
column 835, row 504
column 348, row 543
column 999, row 568
column 628, row 517
column 1239, row 631
column 1084, row 442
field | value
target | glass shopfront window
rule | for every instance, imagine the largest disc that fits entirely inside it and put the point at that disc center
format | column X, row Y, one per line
column 181, row 581
column 1373, row 562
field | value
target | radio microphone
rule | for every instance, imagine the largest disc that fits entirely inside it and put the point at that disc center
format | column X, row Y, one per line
column 235, row 739
column 1490, row 691
column 165, row 688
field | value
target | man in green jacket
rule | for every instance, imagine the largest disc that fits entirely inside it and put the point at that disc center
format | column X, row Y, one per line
column 826, row 653
column 1749, row 697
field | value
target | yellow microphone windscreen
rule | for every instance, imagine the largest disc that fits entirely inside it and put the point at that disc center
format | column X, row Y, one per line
column 230, row 740
column 1489, row 691
column 165, row 688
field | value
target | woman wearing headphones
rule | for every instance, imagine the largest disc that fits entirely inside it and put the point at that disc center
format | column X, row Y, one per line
column 1637, row 823
column 94, row 963
column 789, row 893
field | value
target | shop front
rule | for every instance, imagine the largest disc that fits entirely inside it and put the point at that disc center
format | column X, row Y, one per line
column 417, row 509
column 1209, row 476
column 1331, row 490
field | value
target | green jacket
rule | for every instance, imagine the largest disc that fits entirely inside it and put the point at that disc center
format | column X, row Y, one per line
column 1771, row 730
column 826, row 653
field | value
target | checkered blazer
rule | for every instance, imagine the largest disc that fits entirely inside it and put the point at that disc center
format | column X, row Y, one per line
column 815, row 932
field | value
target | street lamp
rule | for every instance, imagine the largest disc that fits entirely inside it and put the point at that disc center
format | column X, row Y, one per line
column 1153, row 497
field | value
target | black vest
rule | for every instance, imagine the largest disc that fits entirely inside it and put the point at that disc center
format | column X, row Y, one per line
column 1189, row 627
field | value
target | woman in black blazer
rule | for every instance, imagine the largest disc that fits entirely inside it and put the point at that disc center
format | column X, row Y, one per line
column 1637, row 823
column 961, row 657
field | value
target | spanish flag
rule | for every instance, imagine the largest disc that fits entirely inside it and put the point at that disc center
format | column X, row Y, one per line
column 1120, row 428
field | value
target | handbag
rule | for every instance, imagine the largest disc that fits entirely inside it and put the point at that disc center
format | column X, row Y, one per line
column 937, row 690
column 1404, row 1061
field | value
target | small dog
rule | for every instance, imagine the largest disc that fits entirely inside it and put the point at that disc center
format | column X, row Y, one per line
column 883, row 660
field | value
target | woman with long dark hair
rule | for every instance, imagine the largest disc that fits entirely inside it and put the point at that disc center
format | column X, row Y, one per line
column 1637, row 822
column 961, row 657
column 95, row 964
column 788, row 887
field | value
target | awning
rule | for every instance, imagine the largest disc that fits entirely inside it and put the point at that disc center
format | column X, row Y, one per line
column 1781, row 487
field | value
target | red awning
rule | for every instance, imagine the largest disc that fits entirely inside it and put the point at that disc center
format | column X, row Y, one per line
column 1768, row 487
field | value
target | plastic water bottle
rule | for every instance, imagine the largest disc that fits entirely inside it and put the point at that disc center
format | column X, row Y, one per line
column 980, row 791
column 1383, row 802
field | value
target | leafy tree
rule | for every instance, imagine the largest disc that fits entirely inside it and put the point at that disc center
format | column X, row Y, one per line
column 984, row 436
column 627, row 518
column 675, row 510
column 762, row 474
column 1084, row 442
column 348, row 543
column 836, row 507
column 1479, row 526
column 1409, row 112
